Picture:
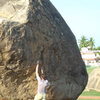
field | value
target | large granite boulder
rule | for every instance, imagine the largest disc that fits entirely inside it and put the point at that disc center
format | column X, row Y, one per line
column 32, row 30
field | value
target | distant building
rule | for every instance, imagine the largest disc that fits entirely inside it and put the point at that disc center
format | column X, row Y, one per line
column 90, row 57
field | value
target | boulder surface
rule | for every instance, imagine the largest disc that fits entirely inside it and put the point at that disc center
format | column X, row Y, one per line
column 32, row 30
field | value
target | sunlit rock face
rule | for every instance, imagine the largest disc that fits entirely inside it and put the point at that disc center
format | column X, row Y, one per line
column 94, row 80
column 32, row 30
column 14, row 10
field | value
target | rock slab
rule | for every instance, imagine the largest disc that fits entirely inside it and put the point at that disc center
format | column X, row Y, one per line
column 30, row 30
column 94, row 80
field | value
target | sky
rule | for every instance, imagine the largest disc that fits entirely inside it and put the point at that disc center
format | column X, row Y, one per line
column 82, row 16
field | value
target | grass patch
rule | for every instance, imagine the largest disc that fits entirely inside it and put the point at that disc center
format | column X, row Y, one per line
column 90, row 69
column 90, row 93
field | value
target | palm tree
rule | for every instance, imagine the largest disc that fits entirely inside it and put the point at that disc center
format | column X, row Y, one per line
column 91, row 43
column 83, row 42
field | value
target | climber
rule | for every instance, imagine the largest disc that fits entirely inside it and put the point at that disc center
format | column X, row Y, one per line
column 42, row 83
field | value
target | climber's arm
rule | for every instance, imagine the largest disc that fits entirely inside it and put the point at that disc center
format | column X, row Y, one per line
column 37, row 71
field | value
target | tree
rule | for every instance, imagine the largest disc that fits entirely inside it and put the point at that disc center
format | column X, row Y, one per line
column 98, row 48
column 91, row 43
column 83, row 42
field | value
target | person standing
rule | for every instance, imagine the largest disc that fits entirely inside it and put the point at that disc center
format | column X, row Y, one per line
column 42, row 83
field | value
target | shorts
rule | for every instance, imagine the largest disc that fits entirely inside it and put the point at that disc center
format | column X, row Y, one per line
column 40, row 96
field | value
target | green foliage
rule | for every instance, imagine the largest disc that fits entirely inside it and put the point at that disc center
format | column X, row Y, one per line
column 90, row 93
column 98, row 48
column 90, row 69
column 91, row 43
column 84, row 42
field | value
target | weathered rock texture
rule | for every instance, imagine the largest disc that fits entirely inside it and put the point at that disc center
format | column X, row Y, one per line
column 94, row 80
column 30, row 30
